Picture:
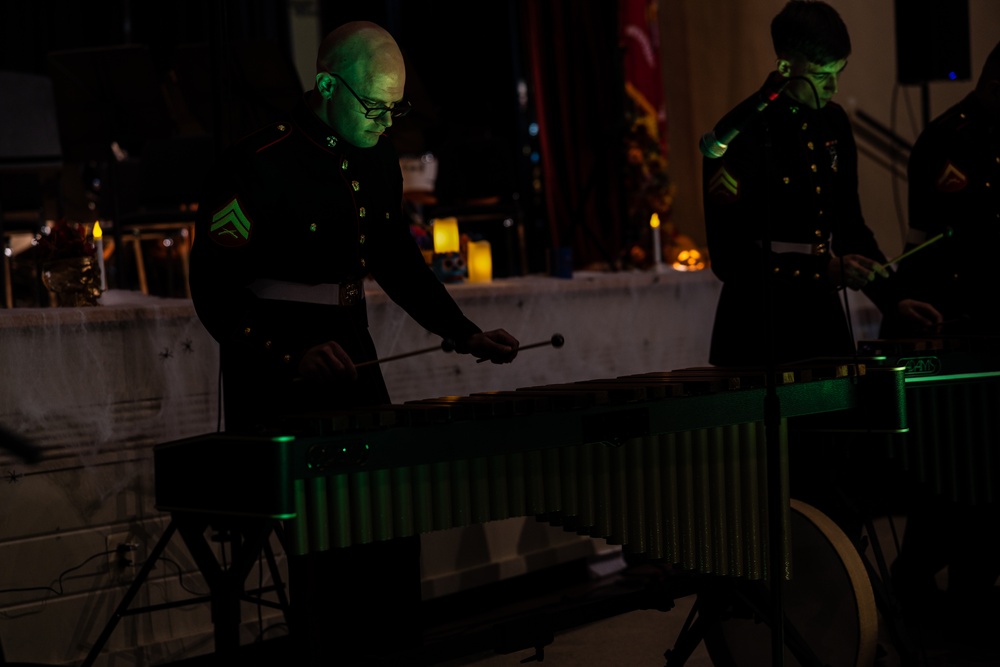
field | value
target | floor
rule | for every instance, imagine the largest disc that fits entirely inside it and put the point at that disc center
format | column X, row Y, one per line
column 639, row 615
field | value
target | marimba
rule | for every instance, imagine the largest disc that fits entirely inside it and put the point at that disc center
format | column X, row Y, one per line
column 671, row 464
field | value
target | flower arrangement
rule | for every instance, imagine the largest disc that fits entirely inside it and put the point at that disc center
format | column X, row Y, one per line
column 648, row 189
column 64, row 239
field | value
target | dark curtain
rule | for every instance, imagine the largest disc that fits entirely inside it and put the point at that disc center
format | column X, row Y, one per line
column 30, row 30
column 574, row 61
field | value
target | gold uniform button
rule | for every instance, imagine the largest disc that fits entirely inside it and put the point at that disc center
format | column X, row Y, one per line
column 355, row 185
column 343, row 165
column 818, row 189
column 796, row 273
column 363, row 263
column 805, row 126
column 246, row 332
column 811, row 146
column 361, row 212
column 362, row 239
column 786, row 180
column 267, row 345
column 813, row 168
column 312, row 227
column 817, row 232
column 287, row 358
column 815, row 276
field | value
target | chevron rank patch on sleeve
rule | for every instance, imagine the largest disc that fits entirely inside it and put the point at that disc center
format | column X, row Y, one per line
column 723, row 186
column 230, row 225
column 952, row 179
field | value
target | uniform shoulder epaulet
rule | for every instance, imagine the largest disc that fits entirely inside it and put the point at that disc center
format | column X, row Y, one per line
column 265, row 136
column 954, row 119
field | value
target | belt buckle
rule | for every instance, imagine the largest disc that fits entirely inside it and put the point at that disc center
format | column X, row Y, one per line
column 351, row 293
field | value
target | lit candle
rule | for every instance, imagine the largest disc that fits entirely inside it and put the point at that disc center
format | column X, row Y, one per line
column 654, row 222
column 445, row 235
column 99, row 252
column 480, row 262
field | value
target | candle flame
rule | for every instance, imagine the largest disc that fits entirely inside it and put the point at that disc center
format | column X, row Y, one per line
column 97, row 233
column 654, row 221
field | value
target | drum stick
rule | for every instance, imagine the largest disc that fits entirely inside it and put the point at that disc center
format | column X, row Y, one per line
column 447, row 345
column 555, row 341
column 934, row 239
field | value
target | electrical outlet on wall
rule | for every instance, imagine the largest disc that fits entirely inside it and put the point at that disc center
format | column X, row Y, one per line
column 123, row 552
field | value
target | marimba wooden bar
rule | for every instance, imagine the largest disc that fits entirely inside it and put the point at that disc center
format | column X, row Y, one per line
column 671, row 465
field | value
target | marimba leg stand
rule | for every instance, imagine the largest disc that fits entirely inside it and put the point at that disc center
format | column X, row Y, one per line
column 736, row 618
column 885, row 599
column 880, row 578
column 248, row 539
column 726, row 601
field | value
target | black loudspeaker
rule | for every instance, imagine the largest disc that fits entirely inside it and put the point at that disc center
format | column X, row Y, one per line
column 932, row 41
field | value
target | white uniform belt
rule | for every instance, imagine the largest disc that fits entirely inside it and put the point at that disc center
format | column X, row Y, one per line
column 324, row 294
column 804, row 248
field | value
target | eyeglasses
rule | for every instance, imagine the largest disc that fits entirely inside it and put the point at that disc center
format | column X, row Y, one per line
column 397, row 111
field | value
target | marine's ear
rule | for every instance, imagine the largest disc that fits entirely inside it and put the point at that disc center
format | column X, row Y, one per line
column 325, row 84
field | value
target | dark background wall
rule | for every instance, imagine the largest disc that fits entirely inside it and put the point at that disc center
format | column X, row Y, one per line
column 462, row 70
column 462, row 81
column 180, row 80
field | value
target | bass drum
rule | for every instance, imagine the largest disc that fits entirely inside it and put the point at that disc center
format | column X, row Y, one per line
column 828, row 601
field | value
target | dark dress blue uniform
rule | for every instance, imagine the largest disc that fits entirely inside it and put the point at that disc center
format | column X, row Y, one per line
column 289, row 226
column 954, row 176
column 790, row 176
column 296, row 205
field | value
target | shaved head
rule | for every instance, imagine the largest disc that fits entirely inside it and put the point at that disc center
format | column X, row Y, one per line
column 359, row 67
column 360, row 49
